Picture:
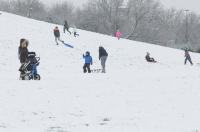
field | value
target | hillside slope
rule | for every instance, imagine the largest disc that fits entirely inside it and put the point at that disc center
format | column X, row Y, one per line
column 132, row 96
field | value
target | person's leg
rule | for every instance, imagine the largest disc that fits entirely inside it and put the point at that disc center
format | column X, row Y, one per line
column 185, row 60
column 151, row 60
column 190, row 60
column 84, row 68
column 56, row 39
column 103, row 63
column 60, row 40
column 154, row 60
column 64, row 29
column 21, row 71
column 68, row 31
column 34, row 71
column 88, row 68
column 76, row 34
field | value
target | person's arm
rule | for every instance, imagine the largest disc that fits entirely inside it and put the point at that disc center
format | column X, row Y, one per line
column 83, row 56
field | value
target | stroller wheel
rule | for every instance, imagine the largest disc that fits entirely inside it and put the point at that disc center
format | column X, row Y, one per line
column 37, row 77
column 26, row 77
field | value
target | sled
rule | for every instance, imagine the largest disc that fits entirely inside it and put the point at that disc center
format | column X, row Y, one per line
column 96, row 70
column 68, row 45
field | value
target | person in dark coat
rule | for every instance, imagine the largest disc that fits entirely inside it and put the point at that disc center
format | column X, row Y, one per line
column 20, row 47
column 148, row 58
column 57, row 35
column 23, row 51
column 187, row 57
column 103, row 55
column 66, row 27
column 88, row 62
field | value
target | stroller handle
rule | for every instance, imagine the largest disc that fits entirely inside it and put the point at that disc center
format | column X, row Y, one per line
column 38, row 59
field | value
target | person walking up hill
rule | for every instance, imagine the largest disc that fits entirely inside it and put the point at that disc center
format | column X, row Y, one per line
column 57, row 35
column 187, row 57
column 66, row 27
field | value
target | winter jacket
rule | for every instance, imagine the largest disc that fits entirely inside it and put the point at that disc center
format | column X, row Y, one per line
column 187, row 55
column 23, row 54
column 56, row 33
column 88, row 59
column 102, row 52
column 118, row 34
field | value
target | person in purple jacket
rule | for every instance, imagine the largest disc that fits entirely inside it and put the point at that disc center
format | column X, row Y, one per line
column 88, row 62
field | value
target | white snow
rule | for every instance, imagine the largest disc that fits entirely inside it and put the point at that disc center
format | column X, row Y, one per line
column 133, row 96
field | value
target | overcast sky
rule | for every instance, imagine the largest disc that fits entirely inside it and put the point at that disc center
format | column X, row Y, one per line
column 193, row 5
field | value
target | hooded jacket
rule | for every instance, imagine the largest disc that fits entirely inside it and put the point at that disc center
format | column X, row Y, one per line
column 102, row 52
column 56, row 32
column 23, row 54
column 88, row 59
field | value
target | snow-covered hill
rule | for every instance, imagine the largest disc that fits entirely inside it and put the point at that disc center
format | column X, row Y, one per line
column 133, row 96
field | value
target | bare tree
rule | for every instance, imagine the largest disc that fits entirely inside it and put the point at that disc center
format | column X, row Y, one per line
column 60, row 12
column 138, row 10
column 29, row 8
column 103, row 15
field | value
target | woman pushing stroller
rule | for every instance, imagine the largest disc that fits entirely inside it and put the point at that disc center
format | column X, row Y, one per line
column 29, row 62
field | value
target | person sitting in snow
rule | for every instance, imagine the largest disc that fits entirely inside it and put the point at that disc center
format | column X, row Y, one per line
column 88, row 62
column 187, row 57
column 149, row 59
column 66, row 27
column 57, row 35
column 75, row 31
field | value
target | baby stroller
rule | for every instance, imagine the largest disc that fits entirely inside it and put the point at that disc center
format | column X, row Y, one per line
column 28, row 71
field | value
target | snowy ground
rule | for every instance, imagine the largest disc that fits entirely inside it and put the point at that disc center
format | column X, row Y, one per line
column 133, row 96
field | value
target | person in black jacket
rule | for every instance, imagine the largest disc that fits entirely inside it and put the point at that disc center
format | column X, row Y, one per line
column 149, row 59
column 66, row 27
column 23, row 51
column 187, row 57
column 103, row 55
column 57, row 35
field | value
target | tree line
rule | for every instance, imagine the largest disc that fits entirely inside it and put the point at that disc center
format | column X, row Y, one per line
column 141, row 20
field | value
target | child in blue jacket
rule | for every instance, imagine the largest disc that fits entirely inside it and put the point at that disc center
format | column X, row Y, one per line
column 88, row 62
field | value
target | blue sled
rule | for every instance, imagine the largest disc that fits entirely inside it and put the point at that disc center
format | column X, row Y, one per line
column 68, row 45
